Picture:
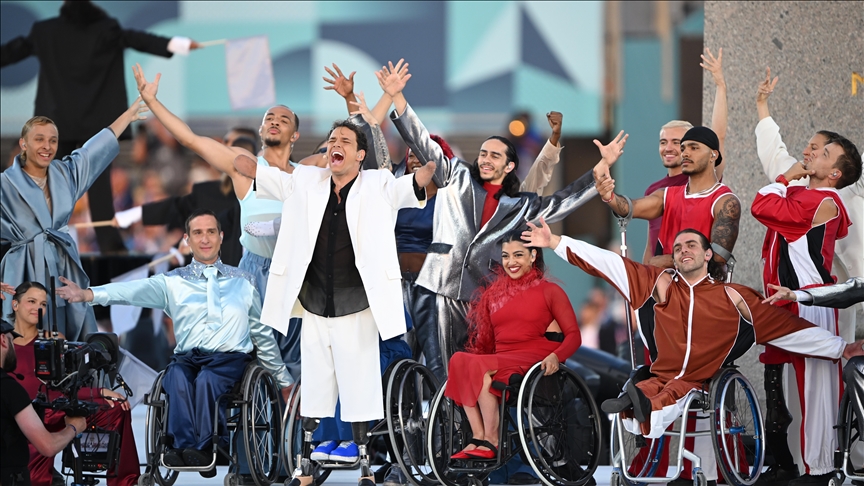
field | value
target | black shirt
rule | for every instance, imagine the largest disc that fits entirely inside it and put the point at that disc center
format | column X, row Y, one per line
column 14, row 451
column 333, row 287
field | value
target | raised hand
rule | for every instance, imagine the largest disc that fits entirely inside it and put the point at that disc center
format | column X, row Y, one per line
column 605, row 186
column 540, row 236
column 147, row 89
column 714, row 65
column 362, row 109
column 612, row 150
column 339, row 83
column 393, row 79
column 766, row 87
column 136, row 110
column 555, row 120
column 424, row 174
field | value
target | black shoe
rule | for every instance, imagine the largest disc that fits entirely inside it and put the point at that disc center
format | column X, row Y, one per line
column 641, row 404
column 522, row 478
column 776, row 475
column 811, row 479
column 173, row 458
column 210, row 473
column 688, row 482
column 617, row 405
column 196, row 458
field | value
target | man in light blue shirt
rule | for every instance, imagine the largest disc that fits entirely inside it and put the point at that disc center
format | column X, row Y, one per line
column 216, row 310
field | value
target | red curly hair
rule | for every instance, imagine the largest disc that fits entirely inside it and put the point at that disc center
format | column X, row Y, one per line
column 445, row 147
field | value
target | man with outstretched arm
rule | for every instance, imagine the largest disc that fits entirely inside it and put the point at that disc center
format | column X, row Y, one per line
column 216, row 309
column 700, row 324
column 478, row 203
column 335, row 265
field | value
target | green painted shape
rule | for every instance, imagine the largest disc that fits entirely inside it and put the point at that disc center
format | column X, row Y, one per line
column 467, row 24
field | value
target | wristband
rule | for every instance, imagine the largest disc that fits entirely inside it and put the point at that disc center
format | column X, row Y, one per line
column 73, row 428
column 782, row 180
column 607, row 201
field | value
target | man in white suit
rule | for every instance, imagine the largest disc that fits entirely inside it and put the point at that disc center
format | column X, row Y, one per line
column 335, row 265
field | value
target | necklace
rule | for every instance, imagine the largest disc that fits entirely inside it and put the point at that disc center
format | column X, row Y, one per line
column 705, row 191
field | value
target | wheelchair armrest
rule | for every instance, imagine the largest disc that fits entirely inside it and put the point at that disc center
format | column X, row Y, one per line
column 499, row 385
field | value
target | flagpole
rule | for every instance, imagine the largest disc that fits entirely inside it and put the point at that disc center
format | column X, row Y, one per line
column 212, row 43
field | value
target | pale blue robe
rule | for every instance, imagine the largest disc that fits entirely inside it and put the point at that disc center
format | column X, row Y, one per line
column 41, row 244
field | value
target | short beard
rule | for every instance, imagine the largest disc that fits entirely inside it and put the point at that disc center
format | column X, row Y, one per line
column 272, row 142
column 11, row 361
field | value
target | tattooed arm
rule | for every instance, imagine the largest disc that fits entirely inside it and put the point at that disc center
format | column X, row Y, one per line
column 648, row 207
column 724, row 232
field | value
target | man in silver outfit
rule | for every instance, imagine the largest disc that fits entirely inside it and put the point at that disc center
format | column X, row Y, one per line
column 477, row 204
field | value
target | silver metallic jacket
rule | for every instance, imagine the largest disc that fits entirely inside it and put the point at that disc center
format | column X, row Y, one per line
column 462, row 252
column 840, row 295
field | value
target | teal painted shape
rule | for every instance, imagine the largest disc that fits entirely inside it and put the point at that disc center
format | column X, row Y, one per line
column 540, row 92
column 467, row 24
column 335, row 12
column 693, row 25
column 641, row 112
column 535, row 52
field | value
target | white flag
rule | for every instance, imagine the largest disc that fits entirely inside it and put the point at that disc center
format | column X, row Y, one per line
column 250, row 73
column 137, row 375
column 124, row 318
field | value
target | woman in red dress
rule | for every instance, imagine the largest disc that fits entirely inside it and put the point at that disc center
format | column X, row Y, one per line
column 507, row 329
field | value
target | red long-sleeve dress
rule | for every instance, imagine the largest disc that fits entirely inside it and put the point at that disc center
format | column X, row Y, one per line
column 519, row 327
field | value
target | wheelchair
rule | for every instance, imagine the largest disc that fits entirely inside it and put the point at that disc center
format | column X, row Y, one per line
column 848, row 436
column 253, row 415
column 408, row 385
column 552, row 422
column 736, row 428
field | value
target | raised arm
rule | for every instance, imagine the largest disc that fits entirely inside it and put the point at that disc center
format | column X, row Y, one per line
column 770, row 148
column 719, row 116
column 541, row 170
column 146, row 292
column 648, row 207
column 378, row 155
column 219, row 156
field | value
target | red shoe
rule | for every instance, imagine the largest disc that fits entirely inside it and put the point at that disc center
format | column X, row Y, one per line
column 463, row 454
column 491, row 454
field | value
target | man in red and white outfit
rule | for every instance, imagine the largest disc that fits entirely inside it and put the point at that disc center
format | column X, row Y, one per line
column 803, row 224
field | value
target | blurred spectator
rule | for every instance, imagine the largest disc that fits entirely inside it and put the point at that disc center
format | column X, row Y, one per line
column 595, row 324
column 156, row 149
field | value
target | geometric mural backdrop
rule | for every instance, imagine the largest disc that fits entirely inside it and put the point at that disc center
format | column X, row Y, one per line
column 472, row 63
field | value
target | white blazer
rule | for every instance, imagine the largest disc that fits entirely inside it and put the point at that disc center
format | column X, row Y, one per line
column 370, row 210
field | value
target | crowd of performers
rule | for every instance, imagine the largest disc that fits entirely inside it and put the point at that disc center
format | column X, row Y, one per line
column 339, row 254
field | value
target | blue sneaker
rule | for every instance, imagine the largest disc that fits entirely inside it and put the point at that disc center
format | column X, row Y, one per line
column 346, row 452
column 322, row 452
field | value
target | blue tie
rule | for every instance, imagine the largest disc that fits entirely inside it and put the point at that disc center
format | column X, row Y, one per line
column 214, row 299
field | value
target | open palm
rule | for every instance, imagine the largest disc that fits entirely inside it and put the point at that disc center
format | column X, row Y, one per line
column 147, row 89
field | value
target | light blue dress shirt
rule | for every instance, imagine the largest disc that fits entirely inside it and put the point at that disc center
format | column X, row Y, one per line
column 233, row 326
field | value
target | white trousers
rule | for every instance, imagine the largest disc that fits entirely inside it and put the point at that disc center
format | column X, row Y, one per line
column 813, row 399
column 340, row 358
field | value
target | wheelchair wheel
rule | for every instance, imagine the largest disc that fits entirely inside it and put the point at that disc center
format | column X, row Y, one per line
column 262, row 416
column 559, row 427
column 292, row 438
column 407, row 417
column 848, row 435
column 737, row 428
column 448, row 431
column 155, row 423
column 643, row 454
